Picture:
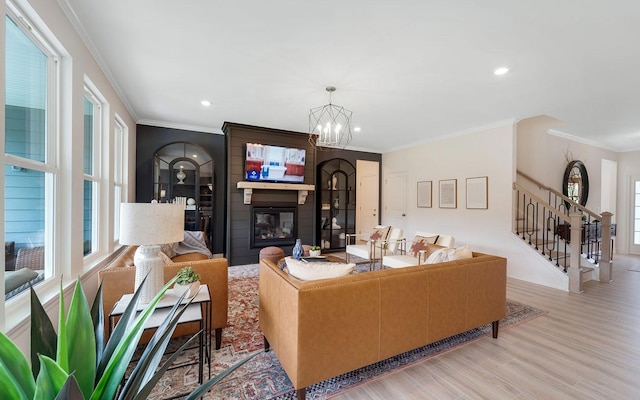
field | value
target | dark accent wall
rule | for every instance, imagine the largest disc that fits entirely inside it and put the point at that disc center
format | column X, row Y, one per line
column 150, row 138
column 352, row 156
column 349, row 155
column 238, row 215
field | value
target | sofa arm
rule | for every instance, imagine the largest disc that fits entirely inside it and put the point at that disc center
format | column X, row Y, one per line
column 214, row 273
column 115, row 283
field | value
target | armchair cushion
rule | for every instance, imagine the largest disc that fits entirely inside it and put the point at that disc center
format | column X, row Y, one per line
column 15, row 279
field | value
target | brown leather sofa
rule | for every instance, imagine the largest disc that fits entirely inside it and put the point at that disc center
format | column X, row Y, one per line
column 324, row 328
column 119, row 276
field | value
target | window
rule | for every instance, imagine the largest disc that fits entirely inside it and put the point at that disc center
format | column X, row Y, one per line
column 91, row 169
column 31, row 71
column 120, row 151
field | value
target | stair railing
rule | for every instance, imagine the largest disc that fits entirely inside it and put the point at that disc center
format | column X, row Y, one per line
column 537, row 222
column 595, row 230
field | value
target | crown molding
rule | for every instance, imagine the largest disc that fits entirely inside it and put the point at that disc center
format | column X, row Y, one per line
column 589, row 142
column 86, row 39
column 184, row 127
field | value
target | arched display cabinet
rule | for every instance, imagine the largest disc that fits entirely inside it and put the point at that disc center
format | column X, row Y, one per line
column 336, row 205
column 184, row 170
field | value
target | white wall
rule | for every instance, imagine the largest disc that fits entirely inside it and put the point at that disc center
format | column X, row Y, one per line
column 542, row 154
column 628, row 167
column 487, row 152
column 76, row 63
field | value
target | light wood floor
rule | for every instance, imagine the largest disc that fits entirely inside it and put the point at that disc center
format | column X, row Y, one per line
column 586, row 347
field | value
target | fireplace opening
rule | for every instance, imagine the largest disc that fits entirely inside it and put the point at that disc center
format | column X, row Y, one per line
column 273, row 226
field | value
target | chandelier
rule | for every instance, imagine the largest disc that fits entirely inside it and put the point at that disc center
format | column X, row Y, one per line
column 330, row 125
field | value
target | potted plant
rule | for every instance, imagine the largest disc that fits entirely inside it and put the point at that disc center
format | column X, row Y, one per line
column 187, row 279
column 74, row 363
column 314, row 251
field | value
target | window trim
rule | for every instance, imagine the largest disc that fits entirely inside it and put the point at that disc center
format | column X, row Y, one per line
column 30, row 24
column 95, row 177
column 120, row 172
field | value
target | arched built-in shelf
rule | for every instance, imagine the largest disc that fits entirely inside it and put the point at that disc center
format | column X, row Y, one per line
column 184, row 170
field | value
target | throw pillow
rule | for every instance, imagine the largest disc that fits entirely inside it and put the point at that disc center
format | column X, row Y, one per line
column 460, row 253
column 437, row 256
column 420, row 243
column 167, row 260
column 169, row 249
column 193, row 243
column 448, row 254
column 309, row 271
column 379, row 233
column 431, row 248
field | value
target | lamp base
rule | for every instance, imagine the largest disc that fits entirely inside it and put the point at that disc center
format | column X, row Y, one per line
column 147, row 261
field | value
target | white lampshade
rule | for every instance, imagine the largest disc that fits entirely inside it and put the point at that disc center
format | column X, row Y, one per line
column 150, row 225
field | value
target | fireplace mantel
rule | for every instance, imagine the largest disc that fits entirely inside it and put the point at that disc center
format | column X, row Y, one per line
column 302, row 189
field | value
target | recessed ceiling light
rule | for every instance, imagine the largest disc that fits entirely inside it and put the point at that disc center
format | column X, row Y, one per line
column 356, row 129
column 501, row 70
column 205, row 103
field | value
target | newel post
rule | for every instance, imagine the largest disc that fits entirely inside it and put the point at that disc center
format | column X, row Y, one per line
column 604, row 270
column 575, row 278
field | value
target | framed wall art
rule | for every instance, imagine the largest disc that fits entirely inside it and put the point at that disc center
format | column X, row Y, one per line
column 448, row 193
column 477, row 193
column 424, row 194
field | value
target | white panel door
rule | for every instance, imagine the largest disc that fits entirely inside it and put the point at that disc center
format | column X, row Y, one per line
column 634, row 246
column 367, row 196
column 608, row 187
column 395, row 199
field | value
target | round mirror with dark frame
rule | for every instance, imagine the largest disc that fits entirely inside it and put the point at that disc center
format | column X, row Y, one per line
column 575, row 183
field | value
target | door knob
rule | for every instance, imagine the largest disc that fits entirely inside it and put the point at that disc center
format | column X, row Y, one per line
column 404, row 215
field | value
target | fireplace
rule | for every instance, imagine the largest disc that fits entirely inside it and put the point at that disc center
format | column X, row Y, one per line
column 273, row 226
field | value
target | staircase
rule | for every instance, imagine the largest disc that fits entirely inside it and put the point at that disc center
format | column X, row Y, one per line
column 548, row 226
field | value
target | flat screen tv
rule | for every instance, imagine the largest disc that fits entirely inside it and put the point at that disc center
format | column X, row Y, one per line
column 265, row 163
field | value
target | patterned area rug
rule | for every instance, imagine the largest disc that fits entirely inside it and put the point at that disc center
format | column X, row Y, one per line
column 264, row 378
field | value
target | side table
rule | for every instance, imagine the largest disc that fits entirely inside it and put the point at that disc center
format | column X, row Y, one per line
column 199, row 310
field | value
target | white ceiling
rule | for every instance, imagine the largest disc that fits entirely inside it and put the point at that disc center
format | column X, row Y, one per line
column 410, row 70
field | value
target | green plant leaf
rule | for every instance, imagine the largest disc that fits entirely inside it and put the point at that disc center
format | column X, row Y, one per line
column 43, row 336
column 50, row 380
column 15, row 374
column 81, row 341
column 70, row 390
column 9, row 387
column 118, row 361
column 145, row 391
column 205, row 387
column 121, row 329
column 153, row 352
column 61, row 353
column 97, row 315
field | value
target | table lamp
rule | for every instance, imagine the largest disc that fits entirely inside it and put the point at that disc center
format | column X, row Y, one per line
column 150, row 225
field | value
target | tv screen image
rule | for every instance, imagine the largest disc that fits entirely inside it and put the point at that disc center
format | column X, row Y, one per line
column 265, row 163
